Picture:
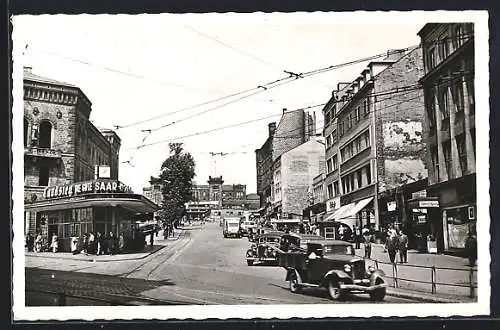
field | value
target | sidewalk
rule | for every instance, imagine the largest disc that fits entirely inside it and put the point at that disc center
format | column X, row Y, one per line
column 159, row 243
column 414, row 279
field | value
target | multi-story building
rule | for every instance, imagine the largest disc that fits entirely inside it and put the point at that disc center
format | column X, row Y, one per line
column 294, row 172
column 65, row 155
column 373, row 130
column 154, row 191
column 450, row 129
column 252, row 202
column 234, row 195
column 294, row 128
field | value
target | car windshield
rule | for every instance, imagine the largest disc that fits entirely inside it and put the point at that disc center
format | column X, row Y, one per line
column 233, row 225
column 273, row 239
column 338, row 249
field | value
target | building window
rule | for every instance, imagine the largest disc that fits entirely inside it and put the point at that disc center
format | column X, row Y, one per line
column 470, row 93
column 462, row 155
column 43, row 177
column 368, row 175
column 336, row 189
column 25, row 135
column 330, row 191
column 329, row 166
column 443, row 47
column 341, row 128
column 359, row 177
column 45, row 134
column 443, row 103
column 335, row 162
column 431, row 58
column 458, row 94
column 459, row 36
column 334, row 136
column 349, row 125
column 431, row 108
column 358, row 109
column 366, row 111
column 327, row 117
column 328, row 141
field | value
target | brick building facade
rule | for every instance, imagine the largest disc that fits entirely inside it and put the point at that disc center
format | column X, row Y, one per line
column 373, row 130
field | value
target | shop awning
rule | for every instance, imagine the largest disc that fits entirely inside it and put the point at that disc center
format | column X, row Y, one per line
column 132, row 202
column 345, row 214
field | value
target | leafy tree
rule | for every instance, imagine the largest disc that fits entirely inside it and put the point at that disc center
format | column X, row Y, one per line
column 177, row 172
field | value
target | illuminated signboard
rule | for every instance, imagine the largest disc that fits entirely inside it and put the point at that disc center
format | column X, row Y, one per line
column 428, row 203
column 88, row 187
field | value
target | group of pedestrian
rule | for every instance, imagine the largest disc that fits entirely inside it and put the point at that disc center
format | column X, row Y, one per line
column 37, row 243
column 100, row 244
column 397, row 241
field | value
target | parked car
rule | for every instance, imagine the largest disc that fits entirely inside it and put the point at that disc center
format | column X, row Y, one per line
column 265, row 249
column 297, row 242
column 332, row 265
column 247, row 227
column 231, row 227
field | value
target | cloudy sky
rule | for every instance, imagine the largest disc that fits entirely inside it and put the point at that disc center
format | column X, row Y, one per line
column 134, row 68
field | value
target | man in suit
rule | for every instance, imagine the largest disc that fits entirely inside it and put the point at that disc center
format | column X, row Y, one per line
column 403, row 247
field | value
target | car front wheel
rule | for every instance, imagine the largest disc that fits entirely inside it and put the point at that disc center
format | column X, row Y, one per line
column 334, row 289
column 249, row 262
column 294, row 284
column 378, row 294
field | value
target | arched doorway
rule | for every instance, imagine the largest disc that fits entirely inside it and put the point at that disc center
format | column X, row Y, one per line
column 45, row 140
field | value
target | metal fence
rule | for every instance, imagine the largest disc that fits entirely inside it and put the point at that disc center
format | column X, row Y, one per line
column 433, row 271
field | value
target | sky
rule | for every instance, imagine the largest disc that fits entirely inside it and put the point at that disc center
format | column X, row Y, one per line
column 134, row 68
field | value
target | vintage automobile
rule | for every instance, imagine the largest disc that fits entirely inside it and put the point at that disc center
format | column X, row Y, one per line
column 331, row 264
column 297, row 242
column 265, row 249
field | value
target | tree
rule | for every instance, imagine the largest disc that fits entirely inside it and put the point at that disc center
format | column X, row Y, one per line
column 177, row 172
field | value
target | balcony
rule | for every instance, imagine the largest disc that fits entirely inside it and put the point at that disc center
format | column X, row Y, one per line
column 42, row 152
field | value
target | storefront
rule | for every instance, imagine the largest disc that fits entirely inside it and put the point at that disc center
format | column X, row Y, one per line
column 426, row 230
column 457, row 200
column 102, row 205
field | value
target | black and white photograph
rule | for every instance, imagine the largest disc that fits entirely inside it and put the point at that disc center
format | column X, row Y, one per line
column 250, row 165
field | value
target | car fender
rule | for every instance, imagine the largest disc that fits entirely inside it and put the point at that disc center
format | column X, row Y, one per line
column 290, row 272
column 375, row 275
column 338, row 274
column 250, row 252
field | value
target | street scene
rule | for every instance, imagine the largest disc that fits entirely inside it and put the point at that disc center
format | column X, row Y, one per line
column 156, row 173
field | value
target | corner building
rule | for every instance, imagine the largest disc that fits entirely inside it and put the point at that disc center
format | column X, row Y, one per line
column 450, row 129
column 63, row 154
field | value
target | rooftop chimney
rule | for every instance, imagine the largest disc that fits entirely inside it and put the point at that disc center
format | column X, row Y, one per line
column 284, row 110
column 272, row 128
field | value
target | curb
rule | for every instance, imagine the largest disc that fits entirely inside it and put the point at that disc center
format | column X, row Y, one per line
column 161, row 247
column 422, row 297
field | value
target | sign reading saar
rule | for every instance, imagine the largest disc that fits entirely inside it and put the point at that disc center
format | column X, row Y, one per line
column 88, row 187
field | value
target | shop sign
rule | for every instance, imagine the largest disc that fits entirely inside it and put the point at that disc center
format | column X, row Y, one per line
column 391, row 206
column 333, row 204
column 428, row 203
column 97, row 186
column 422, row 218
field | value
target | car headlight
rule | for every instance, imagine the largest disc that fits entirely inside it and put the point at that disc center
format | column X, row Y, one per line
column 371, row 269
column 347, row 268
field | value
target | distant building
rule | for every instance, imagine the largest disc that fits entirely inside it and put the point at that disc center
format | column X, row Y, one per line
column 373, row 131
column 293, row 177
column 252, row 202
column 294, row 128
column 450, row 130
column 154, row 191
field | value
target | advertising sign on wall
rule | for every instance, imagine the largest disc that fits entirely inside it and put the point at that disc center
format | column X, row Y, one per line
column 88, row 187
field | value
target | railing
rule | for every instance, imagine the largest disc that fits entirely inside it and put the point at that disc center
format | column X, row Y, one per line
column 472, row 285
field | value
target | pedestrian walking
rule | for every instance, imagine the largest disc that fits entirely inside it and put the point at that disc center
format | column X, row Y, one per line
column 403, row 247
column 121, row 243
column 92, row 244
column 30, row 242
column 85, row 243
column 99, row 243
column 74, row 244
column 357, row 236
column 368, row 237
column 38, row 243
column 151, row 240
column 341, row 231
column 55, row 244
column 392, row 246
column 112, row 243
column 471, row 248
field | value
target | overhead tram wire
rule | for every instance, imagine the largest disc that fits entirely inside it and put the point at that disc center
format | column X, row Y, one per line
column 264, row 87
column 401, row 90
